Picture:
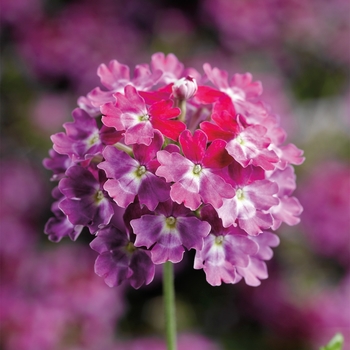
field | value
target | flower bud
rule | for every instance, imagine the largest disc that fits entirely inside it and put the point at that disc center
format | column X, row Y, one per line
column 185, row 88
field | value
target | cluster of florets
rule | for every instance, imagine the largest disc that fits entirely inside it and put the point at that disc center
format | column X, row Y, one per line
column 169, row 161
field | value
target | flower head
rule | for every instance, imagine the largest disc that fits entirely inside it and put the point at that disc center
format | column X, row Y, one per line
column 159, row 164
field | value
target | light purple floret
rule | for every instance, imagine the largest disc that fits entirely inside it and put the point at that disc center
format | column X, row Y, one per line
column 224, row 250
column 170, row 230
column 229, row 254
column 83, row 139
column 130, row 177
column 58, row 164
column 59, row 226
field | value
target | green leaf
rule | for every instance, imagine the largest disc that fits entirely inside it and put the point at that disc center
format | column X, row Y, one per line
column 336, row 343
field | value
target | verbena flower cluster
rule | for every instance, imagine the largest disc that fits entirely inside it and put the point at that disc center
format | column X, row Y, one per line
column 170, row 160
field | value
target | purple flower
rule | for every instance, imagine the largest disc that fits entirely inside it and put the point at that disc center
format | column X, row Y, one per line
column 58, row 164
column 85, row 202
column 120, row 260
column 170, row 230
column 82, row 139
column 59, row 226
column 130, row 177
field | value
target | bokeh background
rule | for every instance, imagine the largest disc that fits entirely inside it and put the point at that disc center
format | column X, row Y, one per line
column 50, row 51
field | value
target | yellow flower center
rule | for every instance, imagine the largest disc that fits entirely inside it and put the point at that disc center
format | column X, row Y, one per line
column 170, row 222
column 197, row 169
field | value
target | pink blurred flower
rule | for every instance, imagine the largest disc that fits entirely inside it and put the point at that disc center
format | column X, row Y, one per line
column 54, row 301
column 67, row 45
column 328, row 314
column 326, row 217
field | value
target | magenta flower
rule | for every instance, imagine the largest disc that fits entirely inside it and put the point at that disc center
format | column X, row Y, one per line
column 130, row 177
column 131, row 114
column 193, row 174
column 168, row 231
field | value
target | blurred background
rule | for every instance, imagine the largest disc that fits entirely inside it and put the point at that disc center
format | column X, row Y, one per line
column 50, row 51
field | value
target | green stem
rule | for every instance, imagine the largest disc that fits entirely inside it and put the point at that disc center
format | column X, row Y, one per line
column 182, row 106
column 169, row 305
column 124, row 148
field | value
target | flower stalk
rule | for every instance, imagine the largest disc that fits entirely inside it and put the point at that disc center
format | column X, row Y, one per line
column 169, row 305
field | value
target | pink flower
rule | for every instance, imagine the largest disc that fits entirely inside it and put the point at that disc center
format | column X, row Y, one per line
column 288, row 209
column 193, row 174
column 247, row 144
column 253, row 198
column 324, row 195
column 131, row 115
column 171, row 67
column 241, row 89
column 115, row 77
column 229, row 254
